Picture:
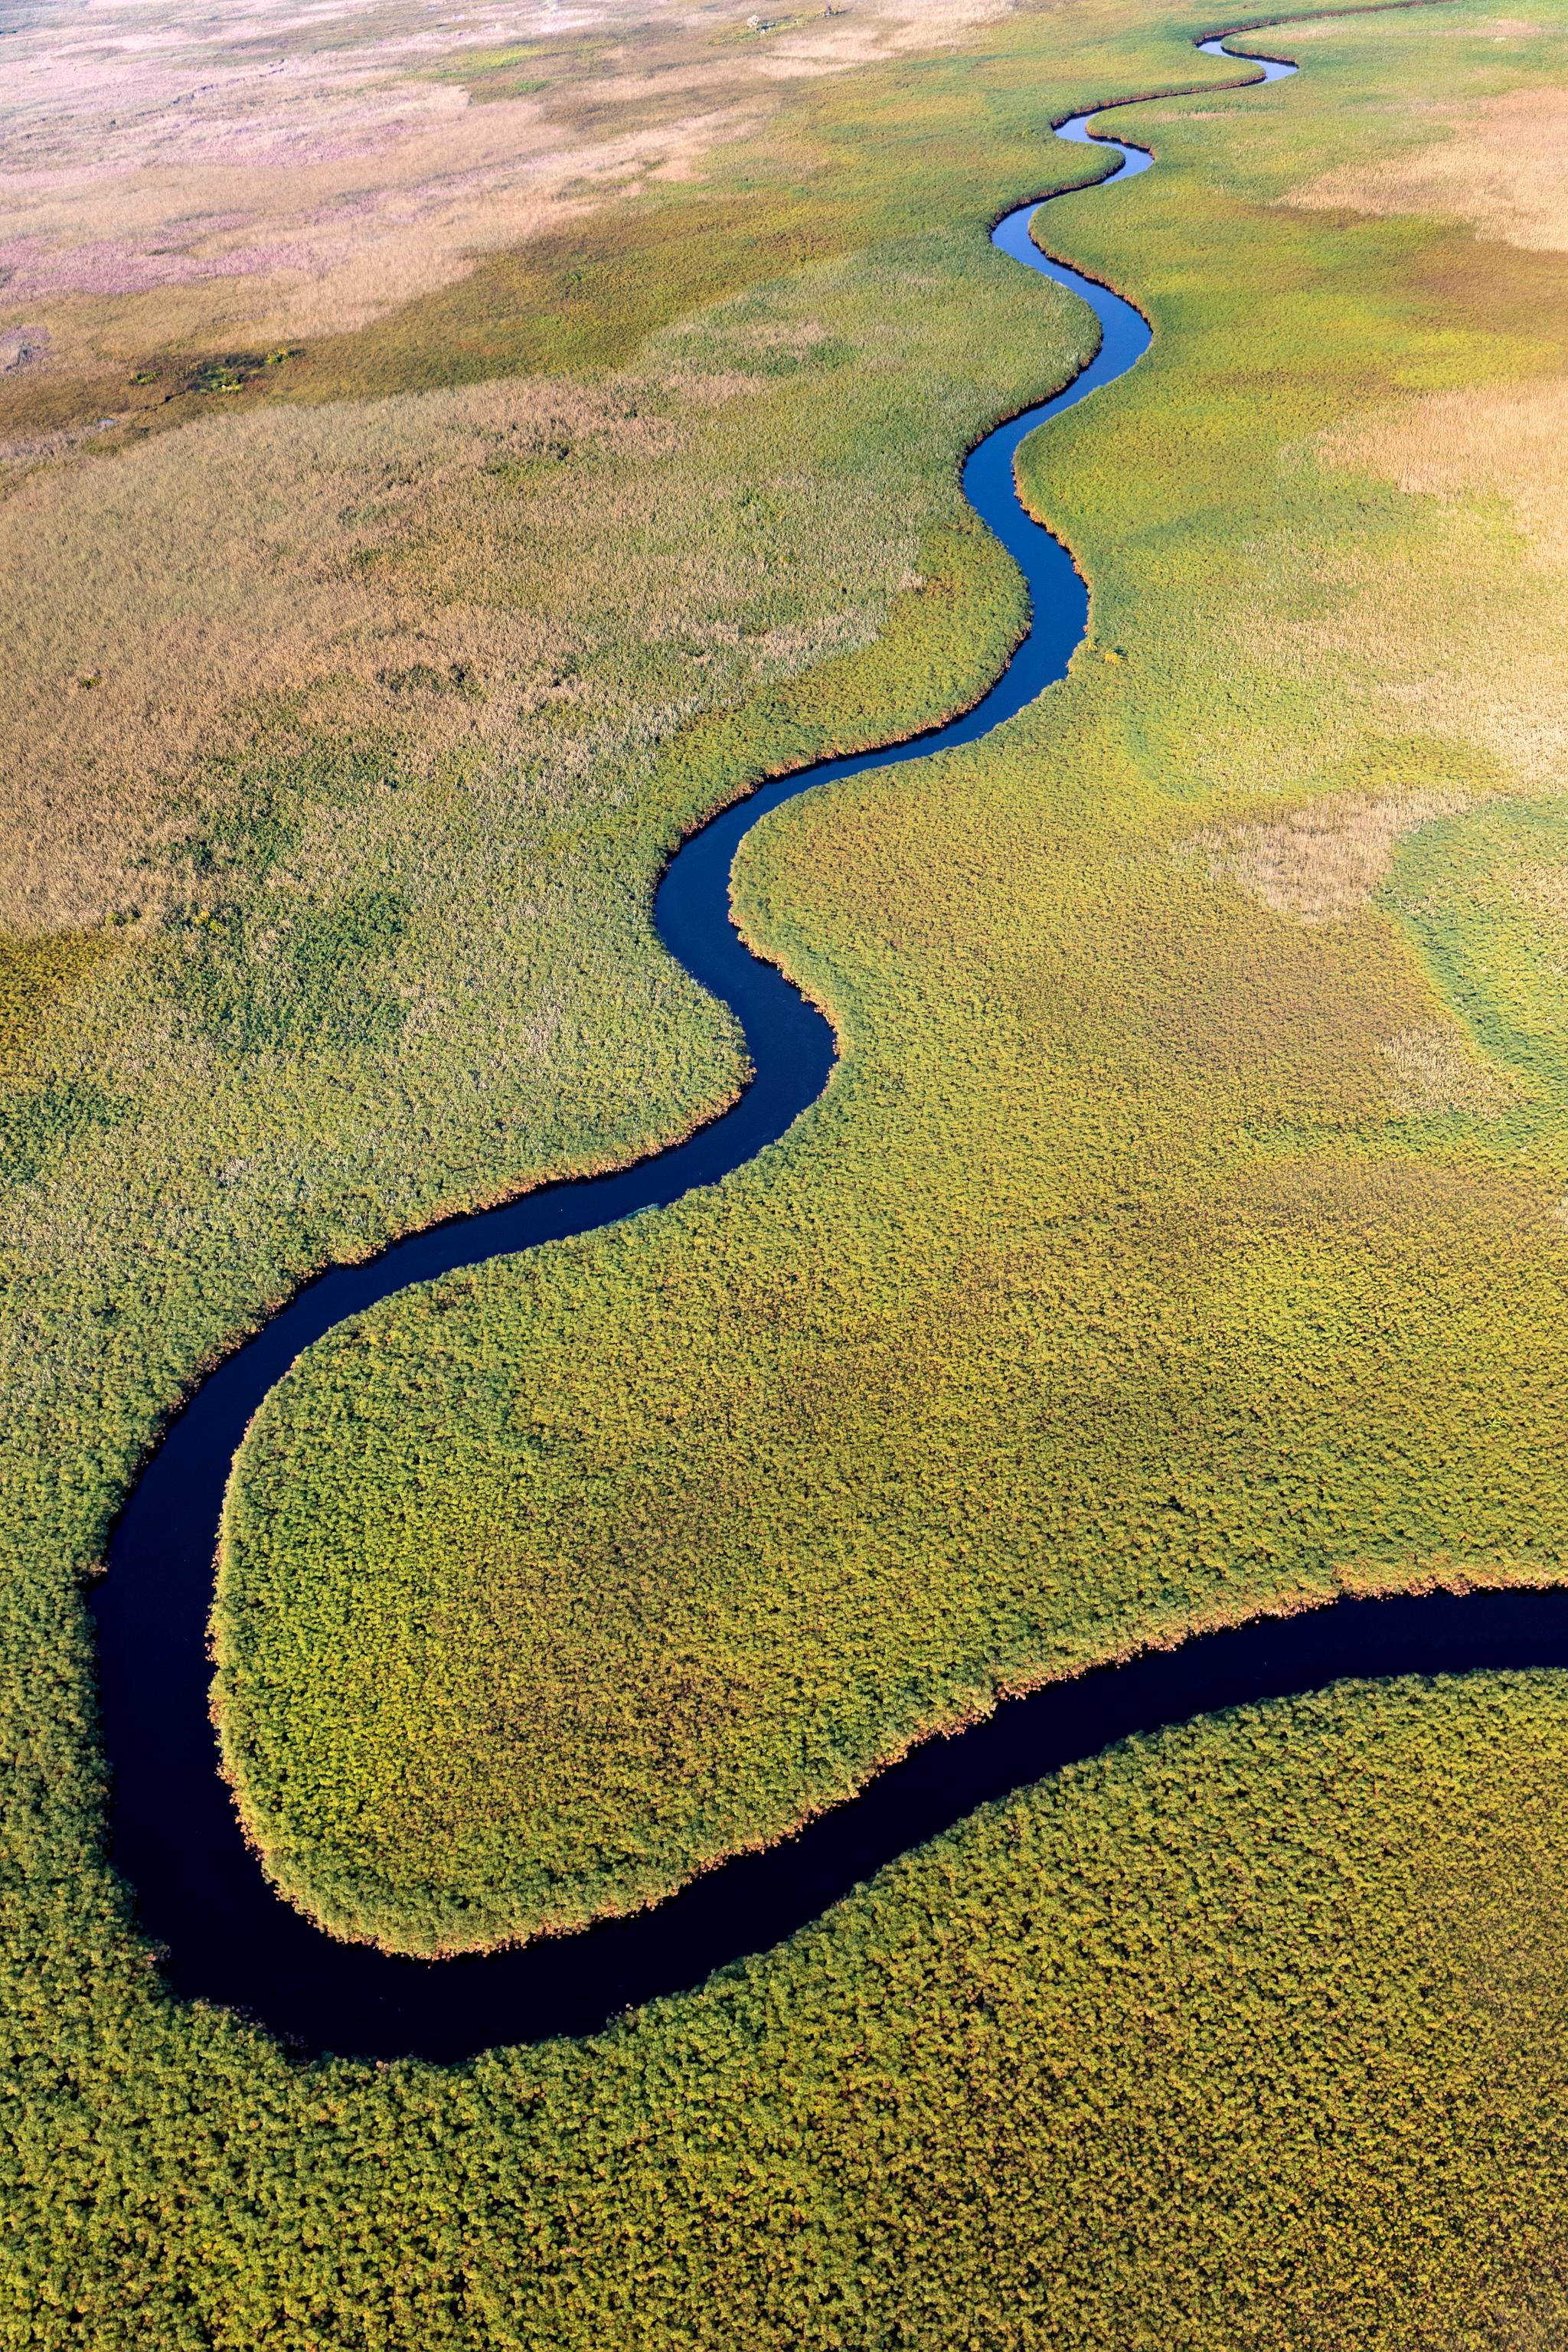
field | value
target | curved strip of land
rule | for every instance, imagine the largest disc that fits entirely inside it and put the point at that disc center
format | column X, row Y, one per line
column 228, row 1937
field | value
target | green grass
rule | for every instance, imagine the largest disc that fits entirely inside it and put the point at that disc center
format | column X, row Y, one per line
column 1249, row 2034
column 1483, row 894
column 1110, row 1291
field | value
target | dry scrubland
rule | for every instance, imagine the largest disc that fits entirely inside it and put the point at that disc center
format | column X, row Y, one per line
column 1181, row 1236
column 190, row 203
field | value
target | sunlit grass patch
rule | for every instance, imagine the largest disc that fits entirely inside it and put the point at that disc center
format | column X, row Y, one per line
column 1484, row 894
column 1498, row 164
column 1323, row 861
column 1433, row 1072
column 1488, row 442
column 353, row 548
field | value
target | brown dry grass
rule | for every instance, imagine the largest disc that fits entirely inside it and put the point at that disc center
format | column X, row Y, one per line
column 1503, row 167
column 1322, row 864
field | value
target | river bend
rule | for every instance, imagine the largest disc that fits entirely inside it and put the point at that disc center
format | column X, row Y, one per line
column 201, row 1895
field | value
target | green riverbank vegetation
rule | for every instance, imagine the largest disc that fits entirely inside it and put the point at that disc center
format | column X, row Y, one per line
column 1250, row 2033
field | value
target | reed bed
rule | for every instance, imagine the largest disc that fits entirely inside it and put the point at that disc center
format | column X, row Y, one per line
column 1182, row 1236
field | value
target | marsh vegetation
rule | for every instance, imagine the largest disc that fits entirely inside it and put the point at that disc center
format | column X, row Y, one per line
column 1171, row 1244
column 1250, row 2032
column 1181, row 1236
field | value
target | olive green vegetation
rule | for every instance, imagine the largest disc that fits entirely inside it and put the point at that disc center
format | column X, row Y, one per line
column 370, row 973
column 1249, row 2034
column 1486, row 893
column 1110, row 1256
column 1117, row 1286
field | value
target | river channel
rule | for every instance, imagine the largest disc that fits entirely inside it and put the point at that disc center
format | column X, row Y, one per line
column 226, row 1937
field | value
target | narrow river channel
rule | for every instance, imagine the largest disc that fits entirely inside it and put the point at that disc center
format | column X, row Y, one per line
column 201, row 1895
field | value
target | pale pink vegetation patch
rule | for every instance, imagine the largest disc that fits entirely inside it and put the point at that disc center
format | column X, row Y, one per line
column 334, row 180
column 305, row 164
column 33, row 268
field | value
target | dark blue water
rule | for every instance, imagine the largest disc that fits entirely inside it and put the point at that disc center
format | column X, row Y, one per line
column 227, row 1938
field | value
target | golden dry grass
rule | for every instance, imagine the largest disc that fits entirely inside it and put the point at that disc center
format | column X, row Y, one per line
column 1544, row 890
column 1323, row 863
column 1507, row 442
column 346, row 550
column 1502, row 166
column 296, row 579
column 1434, row 1069
column 1493, row 455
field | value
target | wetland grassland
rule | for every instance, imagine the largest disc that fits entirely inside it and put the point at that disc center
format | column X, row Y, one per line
column 1181, row 1236
column 1248, row 2034
column 1173, row 1242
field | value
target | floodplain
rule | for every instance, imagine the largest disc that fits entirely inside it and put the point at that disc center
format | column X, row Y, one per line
column 1113, row 1288
column 1181, row 1236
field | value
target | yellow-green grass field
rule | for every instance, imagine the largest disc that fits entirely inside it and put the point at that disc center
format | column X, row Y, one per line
column 1181, row 1236
column 1172, row 1244
column 1247, row 2035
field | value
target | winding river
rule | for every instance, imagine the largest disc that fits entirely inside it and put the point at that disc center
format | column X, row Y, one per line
column 201, row 1895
